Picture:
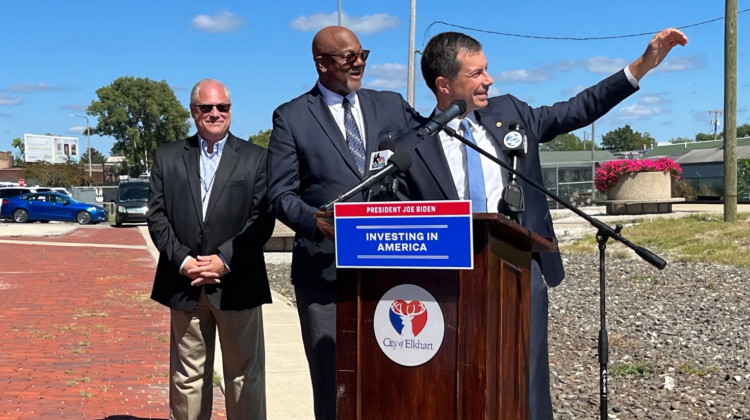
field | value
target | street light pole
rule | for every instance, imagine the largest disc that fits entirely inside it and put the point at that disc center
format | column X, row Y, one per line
column 88, row 139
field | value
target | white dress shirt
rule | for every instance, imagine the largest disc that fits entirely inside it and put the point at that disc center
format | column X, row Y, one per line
column 335, row 104
column 455, row 152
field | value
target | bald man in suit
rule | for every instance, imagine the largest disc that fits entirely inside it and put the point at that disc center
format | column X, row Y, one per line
column 318, row 149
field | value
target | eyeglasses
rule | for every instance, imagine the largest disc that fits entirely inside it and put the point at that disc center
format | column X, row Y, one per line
column 351, row 57
column 206, row 108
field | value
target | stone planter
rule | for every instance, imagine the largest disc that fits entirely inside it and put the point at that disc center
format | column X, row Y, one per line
column 642, row 186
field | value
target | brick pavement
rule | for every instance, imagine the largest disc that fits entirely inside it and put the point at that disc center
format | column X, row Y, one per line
column 81, row 339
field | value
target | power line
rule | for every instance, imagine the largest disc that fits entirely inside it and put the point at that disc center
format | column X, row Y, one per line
column 566, row 38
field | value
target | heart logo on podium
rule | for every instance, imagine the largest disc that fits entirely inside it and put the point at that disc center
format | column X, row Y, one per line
column 408, row 318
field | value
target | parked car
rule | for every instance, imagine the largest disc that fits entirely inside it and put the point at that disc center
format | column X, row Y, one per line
column 47, row 206
column 15, row 191
column 131, row 203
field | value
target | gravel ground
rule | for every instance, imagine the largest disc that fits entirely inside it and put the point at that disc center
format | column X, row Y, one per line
column 683, row 334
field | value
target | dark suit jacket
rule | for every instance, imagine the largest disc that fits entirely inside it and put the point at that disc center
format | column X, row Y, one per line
column 429, row 177
column 237, row 223
column 309, row 164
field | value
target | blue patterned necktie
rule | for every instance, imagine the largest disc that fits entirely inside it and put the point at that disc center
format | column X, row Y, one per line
column 353, row 139
column 474, row 173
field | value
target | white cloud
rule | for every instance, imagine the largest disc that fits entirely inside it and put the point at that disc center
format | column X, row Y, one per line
column 656, row 98
column 74, row 107
column 223, row 21
column 636, row 112
column 30, row 87
column 6, row 100
column 522, row 76
column 604, row 65
column 680, row 64
column 574, row 90
column 390, row 76
column 493, row 91
column 361, row 25
column 77, row 129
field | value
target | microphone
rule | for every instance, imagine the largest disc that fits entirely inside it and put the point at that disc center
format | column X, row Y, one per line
column 514, row 143
column 399, row 162
column 378, row 160
column 456, row 108
column 515, row 146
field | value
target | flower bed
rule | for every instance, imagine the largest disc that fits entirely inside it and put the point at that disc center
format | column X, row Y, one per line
column 609, row 173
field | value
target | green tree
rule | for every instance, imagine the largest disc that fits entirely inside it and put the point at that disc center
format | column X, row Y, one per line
column 708, row 136
column 743, row 131
column 743, row 179
column 56, row 175
column 625, row 139
column 141, row 114
column 680, row 140
column 20, row 158
column 96, row 157
column 565, row 143
column 262, row 138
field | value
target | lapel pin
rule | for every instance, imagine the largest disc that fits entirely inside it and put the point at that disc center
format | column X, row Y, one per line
column 499, row 124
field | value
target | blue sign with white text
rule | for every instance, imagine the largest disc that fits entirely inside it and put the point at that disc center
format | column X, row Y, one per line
column 404, row 235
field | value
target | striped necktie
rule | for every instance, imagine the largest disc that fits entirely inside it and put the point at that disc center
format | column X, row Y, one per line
column 353, row 139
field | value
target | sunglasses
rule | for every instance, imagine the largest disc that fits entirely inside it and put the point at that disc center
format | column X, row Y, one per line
column 351, row 57
column 208, row 107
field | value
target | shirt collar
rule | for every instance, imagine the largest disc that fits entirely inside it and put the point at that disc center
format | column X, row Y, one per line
column 333, row 98
column 218, row 146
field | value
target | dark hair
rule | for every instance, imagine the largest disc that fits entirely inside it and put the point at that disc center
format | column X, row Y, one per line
column 439, row 56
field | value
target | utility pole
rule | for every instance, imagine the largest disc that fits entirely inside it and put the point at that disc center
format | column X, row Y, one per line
column 339, row 14
column 730, row 111
column 88, row 138
column 412, row 53
column 715, row 121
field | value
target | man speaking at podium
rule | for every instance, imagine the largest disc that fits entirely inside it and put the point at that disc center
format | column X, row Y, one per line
column 454, row 67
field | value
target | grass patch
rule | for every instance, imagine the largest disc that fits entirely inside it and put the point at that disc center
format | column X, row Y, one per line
column 217, row 379
column 642, row 369
column 693, row 370
column 700, row 238
column 88, row 312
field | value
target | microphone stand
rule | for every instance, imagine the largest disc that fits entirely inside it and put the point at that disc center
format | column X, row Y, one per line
column 604, row 233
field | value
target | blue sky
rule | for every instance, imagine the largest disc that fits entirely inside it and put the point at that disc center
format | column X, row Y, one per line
column 56, row 54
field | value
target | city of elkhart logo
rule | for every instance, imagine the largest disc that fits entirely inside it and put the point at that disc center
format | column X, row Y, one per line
column 409, row 325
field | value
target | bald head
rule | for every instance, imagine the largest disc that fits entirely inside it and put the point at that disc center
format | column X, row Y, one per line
column 330, row 39
column 339, row 59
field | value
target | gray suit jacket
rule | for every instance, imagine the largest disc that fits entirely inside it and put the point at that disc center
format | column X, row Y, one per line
column 309, row 164
column 237, row 223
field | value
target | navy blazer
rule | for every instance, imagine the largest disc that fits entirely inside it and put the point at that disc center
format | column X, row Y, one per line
column 309, row 164
column 429, row 177
column 237, row 223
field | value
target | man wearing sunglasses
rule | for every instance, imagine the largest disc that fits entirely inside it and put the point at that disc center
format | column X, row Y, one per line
column 208, row 217
column 318, row 149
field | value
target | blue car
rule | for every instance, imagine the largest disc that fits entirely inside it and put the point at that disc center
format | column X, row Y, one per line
column 46, row 206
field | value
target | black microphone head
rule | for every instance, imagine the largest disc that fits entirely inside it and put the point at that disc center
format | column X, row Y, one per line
column 515, row 125
column 387, row 144
column 461, row 104
column 402, row 161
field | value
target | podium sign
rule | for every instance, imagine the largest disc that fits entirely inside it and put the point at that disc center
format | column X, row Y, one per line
column 404, row 234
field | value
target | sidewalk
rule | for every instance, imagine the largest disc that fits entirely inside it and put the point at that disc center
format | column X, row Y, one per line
column 82, row 338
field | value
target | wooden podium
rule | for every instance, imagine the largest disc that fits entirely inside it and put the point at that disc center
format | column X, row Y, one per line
column 481, row 368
